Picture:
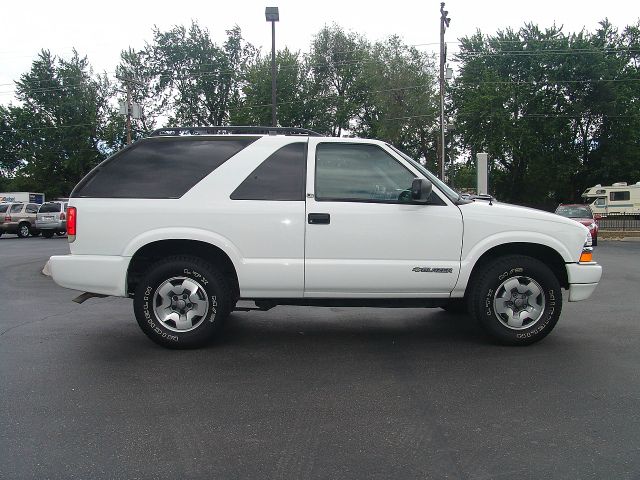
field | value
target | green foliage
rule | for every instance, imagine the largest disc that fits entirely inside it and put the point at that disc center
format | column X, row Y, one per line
column 555, row 112
column 58, row 131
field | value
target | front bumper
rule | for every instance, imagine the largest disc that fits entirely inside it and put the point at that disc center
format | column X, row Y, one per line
column 103, row 274
column 583, row 280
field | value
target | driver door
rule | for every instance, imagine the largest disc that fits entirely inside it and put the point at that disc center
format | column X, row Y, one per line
column 364, row 238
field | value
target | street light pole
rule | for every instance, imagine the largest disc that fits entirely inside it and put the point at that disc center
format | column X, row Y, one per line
column 272, row 15
column 444, row 23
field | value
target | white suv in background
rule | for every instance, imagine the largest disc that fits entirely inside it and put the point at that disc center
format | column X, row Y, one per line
column 287, row 217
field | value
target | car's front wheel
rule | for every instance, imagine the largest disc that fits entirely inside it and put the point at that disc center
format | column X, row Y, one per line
column 181, row 302
column 23, row 230
column 517, row 300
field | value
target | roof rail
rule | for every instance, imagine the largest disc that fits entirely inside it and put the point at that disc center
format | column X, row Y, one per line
column 231, row 130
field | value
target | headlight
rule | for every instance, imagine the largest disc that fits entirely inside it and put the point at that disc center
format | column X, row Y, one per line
column 587, row 249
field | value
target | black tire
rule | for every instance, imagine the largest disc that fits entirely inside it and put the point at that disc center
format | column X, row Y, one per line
column 47, row 233
column 23, row 230
column 61, row 233
column 488, row 285
column 218, row 295
column 456, row 305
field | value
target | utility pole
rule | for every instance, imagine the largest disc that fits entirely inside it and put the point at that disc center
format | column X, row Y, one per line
column 130, row 109
column 128, row 114
column 273, row 15
column 444, row 23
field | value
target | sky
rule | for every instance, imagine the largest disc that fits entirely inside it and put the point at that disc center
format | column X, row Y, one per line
column 102, row 30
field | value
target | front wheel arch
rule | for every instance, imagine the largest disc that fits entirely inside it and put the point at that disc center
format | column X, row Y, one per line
column 547, row 255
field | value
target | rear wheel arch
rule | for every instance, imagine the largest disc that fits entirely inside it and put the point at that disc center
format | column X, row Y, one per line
column 149, row 254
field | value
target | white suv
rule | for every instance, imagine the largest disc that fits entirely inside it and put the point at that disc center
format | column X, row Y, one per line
column 287, row 217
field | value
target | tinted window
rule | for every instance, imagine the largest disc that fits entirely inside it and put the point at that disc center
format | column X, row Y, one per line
column 617, row 196
column 49, row 207
column 32, row 208
column 3, row 208
column 358, row 172
column 159, row 168
column 282, row 176
column 16, row 208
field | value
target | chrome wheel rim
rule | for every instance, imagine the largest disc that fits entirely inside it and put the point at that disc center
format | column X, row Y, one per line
column 181, row 304
column 24, row 230
column 519, row 302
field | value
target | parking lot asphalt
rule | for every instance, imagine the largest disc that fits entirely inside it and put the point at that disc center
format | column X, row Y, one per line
column 314, row 393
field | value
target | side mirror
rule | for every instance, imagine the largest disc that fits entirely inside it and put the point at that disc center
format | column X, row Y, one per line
column 421, row 190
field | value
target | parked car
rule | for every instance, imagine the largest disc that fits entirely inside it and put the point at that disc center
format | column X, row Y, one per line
column 52, row 219
column 581, row 214
column 19, row 219
column 287, row 217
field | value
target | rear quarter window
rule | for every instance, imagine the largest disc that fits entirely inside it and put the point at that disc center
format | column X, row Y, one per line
column 159, row 167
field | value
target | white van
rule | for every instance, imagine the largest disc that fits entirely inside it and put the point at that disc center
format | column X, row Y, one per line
column 615, row 199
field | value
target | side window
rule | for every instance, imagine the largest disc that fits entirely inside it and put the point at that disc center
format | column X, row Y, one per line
column 159, row 167
column 618, row 196
column 360, row 172
column 17, row 208
column 32, row 208
column 599, row 202
column 282, row 176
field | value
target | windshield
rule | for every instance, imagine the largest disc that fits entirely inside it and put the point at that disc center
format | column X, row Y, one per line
column 574, row 212
column 446, row 189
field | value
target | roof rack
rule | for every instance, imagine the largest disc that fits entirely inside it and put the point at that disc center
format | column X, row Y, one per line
column 231, row 130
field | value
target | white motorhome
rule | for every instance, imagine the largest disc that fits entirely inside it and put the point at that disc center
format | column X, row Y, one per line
column 615, row 199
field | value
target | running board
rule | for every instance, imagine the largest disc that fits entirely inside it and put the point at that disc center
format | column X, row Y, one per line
column 86, row 296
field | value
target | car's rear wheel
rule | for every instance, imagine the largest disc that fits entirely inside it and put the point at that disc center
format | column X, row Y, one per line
column 23, row 230
column 517, row 300
column 181, row 302
column 47, row 233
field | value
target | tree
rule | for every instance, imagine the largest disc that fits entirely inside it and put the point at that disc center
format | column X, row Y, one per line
column 543, row 105
column 197, row 81
column 58, row 131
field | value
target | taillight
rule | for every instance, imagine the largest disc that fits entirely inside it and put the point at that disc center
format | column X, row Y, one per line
column 7, row 218
column 61, row 215
column 71, row 223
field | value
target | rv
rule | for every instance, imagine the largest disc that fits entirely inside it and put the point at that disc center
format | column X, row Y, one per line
column 618, row 198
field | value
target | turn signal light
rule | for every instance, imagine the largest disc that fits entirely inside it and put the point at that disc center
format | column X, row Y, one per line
column 586, row 256
column 71, row 223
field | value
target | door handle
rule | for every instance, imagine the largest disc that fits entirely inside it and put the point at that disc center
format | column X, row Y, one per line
column 319, row 219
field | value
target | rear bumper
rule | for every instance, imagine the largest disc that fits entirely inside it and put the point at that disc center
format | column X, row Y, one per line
column 583, row 280
column 9, row 227
column 102, row 274
column 56, row 226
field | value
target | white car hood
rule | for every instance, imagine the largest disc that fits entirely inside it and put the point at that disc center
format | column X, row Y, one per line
column 498, row 223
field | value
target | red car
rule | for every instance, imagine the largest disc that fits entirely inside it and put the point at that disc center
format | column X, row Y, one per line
column 580, row 213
